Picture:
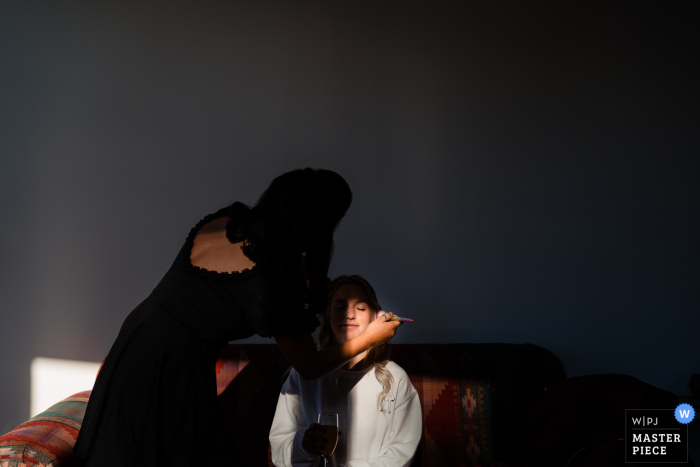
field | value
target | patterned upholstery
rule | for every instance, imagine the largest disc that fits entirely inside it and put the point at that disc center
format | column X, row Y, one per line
column 48, row 438
column 473, row 396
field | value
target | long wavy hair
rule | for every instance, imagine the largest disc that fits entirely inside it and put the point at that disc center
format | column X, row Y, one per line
column 377, row 355
column 298, row 213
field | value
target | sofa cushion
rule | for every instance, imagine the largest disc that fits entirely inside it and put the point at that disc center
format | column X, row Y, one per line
column 48, row 438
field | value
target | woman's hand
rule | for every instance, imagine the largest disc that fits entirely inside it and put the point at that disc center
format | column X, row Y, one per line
column 310, row 363
column 382, row 329
column 313, row 440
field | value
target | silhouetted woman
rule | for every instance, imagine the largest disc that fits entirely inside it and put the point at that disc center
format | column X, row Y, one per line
column 242, row 271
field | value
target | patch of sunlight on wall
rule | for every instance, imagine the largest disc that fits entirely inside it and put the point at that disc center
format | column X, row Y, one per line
column 53, row 380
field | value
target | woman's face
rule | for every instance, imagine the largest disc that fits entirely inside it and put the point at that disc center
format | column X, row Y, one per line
column 350, row 313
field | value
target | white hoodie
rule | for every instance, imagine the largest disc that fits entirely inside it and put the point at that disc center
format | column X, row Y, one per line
column 370, row 436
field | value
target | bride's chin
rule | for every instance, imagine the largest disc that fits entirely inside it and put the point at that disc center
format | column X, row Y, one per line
column 346, row 336
column 341, row 337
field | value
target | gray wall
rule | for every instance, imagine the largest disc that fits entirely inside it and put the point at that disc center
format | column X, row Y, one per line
column 521, row 173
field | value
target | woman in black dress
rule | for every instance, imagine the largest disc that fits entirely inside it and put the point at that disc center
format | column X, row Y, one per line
column 242, row 271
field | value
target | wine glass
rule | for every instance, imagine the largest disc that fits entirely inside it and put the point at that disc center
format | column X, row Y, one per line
column 329, row 421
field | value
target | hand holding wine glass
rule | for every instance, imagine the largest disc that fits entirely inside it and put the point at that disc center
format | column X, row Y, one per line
column 314, row 439
column 329, row 425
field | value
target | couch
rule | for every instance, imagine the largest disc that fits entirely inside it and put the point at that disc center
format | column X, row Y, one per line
column 474, row 399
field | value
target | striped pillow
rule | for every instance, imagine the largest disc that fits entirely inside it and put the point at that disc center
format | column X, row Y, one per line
column 47, row 439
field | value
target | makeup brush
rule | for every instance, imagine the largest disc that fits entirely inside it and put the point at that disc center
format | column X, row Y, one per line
column 393, row 318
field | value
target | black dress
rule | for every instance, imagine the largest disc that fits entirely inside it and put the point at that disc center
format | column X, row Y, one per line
column 154, row 401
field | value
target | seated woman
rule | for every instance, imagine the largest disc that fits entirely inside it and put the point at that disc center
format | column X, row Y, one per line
column 378, row 409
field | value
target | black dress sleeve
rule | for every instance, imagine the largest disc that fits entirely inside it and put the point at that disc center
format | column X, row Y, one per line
column 280, row 310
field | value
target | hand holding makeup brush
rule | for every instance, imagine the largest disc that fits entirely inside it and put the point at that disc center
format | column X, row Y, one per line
column 380, row 331
column 393, row 317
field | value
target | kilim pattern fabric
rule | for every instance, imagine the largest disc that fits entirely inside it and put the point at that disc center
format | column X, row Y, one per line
column 474, row 398
column 48, row 438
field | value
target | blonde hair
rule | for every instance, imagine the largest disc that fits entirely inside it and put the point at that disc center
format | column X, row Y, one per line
column 377, row 355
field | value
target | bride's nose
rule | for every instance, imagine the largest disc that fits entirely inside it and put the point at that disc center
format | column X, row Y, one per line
column 350, row 313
